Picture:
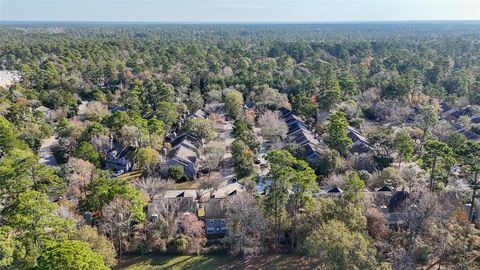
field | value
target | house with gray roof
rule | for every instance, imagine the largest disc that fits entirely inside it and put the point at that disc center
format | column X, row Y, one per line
column 120, row 157
column 300, row 134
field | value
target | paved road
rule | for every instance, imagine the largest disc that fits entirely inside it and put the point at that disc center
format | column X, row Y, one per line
column 46, row 154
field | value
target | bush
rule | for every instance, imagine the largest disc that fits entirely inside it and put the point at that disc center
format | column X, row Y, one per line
column 180, row 245
column 176, row 172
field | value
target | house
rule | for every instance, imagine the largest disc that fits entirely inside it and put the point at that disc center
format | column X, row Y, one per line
column 228, row 190
column 178, row 201
column 215, row 217
column 300, row 134
column 120, row 157
column 475, row 119
column 184, row 152
column 360, row 144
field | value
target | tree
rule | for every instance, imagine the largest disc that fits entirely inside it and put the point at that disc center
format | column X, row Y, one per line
column 246, row 225
column 243, row 158
column 154, row 187
column 470, row 157
column 272, row 127
column 437, row 155
column 96, row 111
column 330, row 93
column 103, row 190
column 404, row 145
column 147, row 159
column 201, row 128
column 234, row 103
column 8, row 137
column 35, row 225
column 194, row 229
column 337, row 135
column 426, row 119
column 21, row 172
column 208, row 186
column 304, row 106
column 156, row 133
column 176, row 172
column 70, row 254
column 98, row 243
column 213, row 154
column 288, row 173
column 86, row 151
column 79, row 173
column 167, row 113
column 115, row 223
column 348, row 85
column 339, row 248
column 8, row 246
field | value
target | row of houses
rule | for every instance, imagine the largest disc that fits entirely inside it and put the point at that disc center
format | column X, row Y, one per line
column 453, row 116
column 185, row 151
column 209, row 207
column 300, row 134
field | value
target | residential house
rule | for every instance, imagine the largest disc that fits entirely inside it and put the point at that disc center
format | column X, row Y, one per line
column 178, row 201
column 215, row 216
column 360, row 144
column 120, row 157
column 184, row 152
column 300, row 134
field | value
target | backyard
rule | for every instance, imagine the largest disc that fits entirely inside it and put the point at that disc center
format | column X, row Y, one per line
column 206, row 262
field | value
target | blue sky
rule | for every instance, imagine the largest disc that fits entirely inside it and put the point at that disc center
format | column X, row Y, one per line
column 238, row 10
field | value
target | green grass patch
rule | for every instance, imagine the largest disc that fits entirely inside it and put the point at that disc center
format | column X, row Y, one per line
column 207, row 262
column 130, row 175
column 186, row 185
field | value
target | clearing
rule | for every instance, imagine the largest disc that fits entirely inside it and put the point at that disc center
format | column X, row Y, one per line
column 206, row 262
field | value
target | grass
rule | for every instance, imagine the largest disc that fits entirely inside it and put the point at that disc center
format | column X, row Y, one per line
column 130, row 175
column 224, row 262
column 186, row 185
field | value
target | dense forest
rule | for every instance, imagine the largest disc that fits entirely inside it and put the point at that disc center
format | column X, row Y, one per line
column 355, row 145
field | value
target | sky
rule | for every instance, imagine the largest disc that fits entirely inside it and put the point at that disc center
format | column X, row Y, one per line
column 238, row 10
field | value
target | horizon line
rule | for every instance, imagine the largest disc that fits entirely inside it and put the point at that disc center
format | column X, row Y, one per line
column 244, row 22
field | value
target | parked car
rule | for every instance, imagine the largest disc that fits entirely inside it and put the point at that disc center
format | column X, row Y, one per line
column 118, row 173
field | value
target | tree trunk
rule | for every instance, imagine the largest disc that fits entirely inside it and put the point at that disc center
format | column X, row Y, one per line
column 432, row 173
column 470, row 215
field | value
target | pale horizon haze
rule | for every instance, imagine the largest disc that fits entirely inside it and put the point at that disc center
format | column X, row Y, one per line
column 218, row 11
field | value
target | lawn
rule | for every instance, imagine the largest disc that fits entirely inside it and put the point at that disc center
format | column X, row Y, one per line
column 206, row 262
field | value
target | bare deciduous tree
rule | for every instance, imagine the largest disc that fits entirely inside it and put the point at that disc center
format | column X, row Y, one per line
column 246, row 225
column 101, row 143
column 79, row 174
column 190, row 226
column 154, row 187
column 116, row 223
column 213, row 154
column 208, row 186
column 272, row 127
column 96, row 110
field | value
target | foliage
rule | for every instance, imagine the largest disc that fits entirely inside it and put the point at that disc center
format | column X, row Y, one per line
column 234, row 103
column 337, row 136
column 86, row 151
column 102, row 190
column 200, row 128
column 98, row 243
column 243, row 158
column 147, row 158
column 176, row 172
column 72, row 254
column 339, row 248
